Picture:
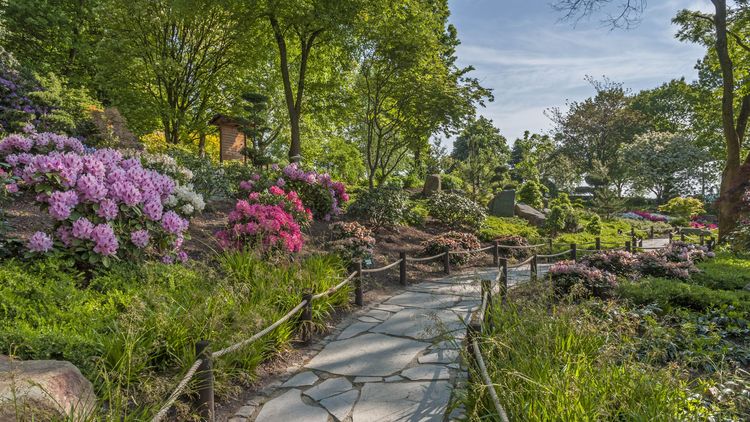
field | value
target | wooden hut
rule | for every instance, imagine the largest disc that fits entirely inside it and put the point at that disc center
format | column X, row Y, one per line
column 232, row 140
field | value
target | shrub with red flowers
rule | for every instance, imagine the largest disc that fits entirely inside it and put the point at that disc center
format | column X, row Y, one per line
column 105, row 207
column 317, row 191
column 615, row 262
column 268, row 227
column 351, row 240
column 454, row 241
column 570, row 277
column 288, row 201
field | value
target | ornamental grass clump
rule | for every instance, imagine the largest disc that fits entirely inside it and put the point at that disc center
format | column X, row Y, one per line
column 317, row 191
column 453, row 241
column 269, row 221
column 351, row 241
column 580, row 279
column 104, row 206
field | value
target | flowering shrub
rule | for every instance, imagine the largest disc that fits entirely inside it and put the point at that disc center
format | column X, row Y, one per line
column 99, row 200
column 454, row 241
column 456, row 210
column 317, row 191
column 615, row 262
column 683, row 251
column 513, row 240
column 570, row 277
column 352, row 241
column 654, row 263
column 382, row 206
column 643, row 215
column 253, row 224
column 288, row 201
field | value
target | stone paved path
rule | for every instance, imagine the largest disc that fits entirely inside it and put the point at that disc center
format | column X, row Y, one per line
column 395, row 361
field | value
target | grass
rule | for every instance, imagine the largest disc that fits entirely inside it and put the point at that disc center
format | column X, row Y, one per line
column 614, row 233
column 132, row 329
column 661, row 350
column 494, row 227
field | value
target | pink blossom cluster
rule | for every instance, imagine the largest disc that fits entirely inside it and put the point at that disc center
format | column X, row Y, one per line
column 651, row 216
column 101, row 202
column 254, row 224
column 318, row 191
column 289, row 201
column 351, row 240
column 566, row 274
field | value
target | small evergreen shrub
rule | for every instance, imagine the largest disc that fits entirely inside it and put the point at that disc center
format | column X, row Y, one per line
column 455, row 210
column 416, row 214
column 594, row 226
column 451, row 182
column 531, row 194
column 683, row 207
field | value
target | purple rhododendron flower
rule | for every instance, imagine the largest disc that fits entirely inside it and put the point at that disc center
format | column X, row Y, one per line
column 82, row 228
column 40, row 242
column 173, row 223
column 140, row 238
column 105, row 240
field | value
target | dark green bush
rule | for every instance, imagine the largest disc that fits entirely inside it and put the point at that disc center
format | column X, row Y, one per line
column 380, row 207
column 455, row 210
column 668, row 293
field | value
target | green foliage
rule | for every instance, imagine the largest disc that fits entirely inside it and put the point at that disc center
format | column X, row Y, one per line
column 480, row 150
column 132, row 329
column 594, row 226
column 556, row 220
column 495, row 227
column 380, row 207
column 451, row 182
column 607, row 202
column 667, row 294
column 531, row 194
column 455, row 210
column 683, row 207
column 416, row 214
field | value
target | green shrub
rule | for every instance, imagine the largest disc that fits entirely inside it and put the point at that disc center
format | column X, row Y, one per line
column 416, row 214
column 531, row 194
column 456, row 210
column 725, row 272
column 594, row 226
column 380, row 207
column 451, row 182
column 495, row 227
column 667, row 294
column 556, row 220
column 683, row 207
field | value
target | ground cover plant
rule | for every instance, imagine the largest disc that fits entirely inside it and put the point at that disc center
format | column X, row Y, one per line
column 132, row 330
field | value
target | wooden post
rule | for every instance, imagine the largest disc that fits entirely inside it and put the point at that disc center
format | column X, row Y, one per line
column 598, row 243
column 627, row 247
column 473, row 332
column 702, row 240
column 447, row 261
column 306, row 318
column 632, row 232
column 402, row 268
column 549, row 244
column 682, row 236
column 205, row 376
column 711, row 243
column 534, row 268
column 495, row 253
column 670, row 237
column 504, row 272
column 574, row 252
column 651, row 233
column 358, row 294
column 640, row 243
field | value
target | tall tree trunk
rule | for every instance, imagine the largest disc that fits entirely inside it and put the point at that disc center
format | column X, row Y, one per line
column 202, row 144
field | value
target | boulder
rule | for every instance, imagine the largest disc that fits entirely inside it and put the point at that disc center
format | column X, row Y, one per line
column 530, row 214
column 432, row 184
column 503, row 204
column 44, row 390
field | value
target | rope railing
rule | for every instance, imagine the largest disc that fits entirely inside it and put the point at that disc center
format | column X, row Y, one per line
column 555, row 255
column 539, row 245
column 335, row 288
column 429, row 258
column 521, row 264
column 377, row 270
column 488, row 381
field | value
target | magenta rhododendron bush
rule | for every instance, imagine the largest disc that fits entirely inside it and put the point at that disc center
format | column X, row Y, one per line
column 104, row 205
column 270, row 221
column 317, row 191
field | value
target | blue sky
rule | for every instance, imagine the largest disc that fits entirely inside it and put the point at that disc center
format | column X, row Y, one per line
column 534, row 62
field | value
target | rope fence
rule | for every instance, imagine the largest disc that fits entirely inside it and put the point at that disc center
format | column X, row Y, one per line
column 202, row 367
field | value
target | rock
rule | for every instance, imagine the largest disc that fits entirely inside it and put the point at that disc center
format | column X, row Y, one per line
column 290, row 407
column 329, row 388
column 369, row 319
column 403, row 401
column 367, row 379
column 302, row 379
column 44, row 390
column 369, row 355
column 389, row 308
column 340, row 406
column 503, row 204
column 530, row 214
column 432, row 185
column 379, row 315
column 427, row 373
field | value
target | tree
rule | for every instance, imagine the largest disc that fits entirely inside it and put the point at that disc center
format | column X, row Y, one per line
column 480, row 149
column 724, row 34
column 594, row 130
column 256, row 127
column 170, row 58
column 662, row 163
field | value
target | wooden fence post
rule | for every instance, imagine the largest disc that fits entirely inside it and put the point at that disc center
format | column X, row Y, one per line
column 574, row 252
column 598, row 243
column 670, row 237
column 682, row 236
column 447, row 261
column 504, row 272
column 632, row 232
column 627, row 247
column 651, row 233
column 473, row 332
column 496, row 253
column 358, row 294
column 702, row 240
column 549, row 244
column 534, row 268
column 711, row 243
column 205, row 376
column 402, row 268
column 306, row 318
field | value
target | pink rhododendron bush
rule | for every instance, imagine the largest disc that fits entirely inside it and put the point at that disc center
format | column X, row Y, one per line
column 104, row 206
column 270, row 221
column 351, row 240
column 317, row 191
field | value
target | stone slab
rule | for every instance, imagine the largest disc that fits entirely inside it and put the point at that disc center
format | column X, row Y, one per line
column 403, row 401
column 368, row 379
column 301, row 380
column 389, row 308
column 394, row 378
column 378, row 314
column 427, row 373
column 355, row 329
column 369, row 355
column 421, row 324
column 329, row 388
column 367, row 318
column 341, row 405
column 290, row 407
column 423, row 300
column 440, row 356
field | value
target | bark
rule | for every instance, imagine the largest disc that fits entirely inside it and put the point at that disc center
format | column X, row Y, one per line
column 202, row 145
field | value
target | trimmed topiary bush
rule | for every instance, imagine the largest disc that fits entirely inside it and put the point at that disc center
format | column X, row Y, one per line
column 531, row 194
column 594, row 225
